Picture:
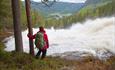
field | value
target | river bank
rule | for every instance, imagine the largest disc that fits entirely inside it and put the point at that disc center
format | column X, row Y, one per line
column 24, row 61
column 5, row 34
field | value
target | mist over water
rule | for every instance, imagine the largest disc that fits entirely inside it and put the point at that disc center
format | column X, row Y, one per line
column 96, row 37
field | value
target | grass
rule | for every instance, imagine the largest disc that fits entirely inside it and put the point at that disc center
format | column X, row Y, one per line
column 23, row 61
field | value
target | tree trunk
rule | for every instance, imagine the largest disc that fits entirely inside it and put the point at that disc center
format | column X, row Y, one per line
column 27, row 5
column 17, row 25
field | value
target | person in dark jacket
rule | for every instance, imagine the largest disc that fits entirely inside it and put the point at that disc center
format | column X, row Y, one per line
column 45, row 47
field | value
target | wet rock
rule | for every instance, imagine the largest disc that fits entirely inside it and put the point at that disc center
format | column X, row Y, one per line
column 101, row 54
column 67, row 68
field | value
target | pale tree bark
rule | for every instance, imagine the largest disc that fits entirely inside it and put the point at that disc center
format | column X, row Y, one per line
column 17, row 25
column 29, row 21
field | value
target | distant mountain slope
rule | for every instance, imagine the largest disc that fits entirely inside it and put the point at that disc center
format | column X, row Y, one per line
column 96, row 3
column 57, row 8
column 92, row 1
column 94, row 9
column 92, row 5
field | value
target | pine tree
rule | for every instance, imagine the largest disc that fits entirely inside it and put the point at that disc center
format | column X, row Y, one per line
column 17, row 25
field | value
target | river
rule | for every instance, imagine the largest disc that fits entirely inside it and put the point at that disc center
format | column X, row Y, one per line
column 95, row 37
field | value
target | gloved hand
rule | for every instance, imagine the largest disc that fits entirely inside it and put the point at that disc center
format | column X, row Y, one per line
column 29, row 36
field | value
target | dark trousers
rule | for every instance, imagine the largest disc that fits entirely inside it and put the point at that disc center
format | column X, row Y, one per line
column 43, row 54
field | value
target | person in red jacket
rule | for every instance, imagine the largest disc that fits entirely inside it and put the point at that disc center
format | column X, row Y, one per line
column 46, row 46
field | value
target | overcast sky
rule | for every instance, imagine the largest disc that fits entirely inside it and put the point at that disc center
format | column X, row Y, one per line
column 73, row 1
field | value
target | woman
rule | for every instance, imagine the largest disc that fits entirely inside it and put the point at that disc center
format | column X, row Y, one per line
column 42, row 50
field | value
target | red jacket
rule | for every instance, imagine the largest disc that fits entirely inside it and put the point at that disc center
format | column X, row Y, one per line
column 45, row 38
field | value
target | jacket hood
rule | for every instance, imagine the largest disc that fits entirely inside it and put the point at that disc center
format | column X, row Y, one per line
column 41, row 29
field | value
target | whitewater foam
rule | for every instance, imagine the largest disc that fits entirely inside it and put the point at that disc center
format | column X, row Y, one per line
column 93, row 36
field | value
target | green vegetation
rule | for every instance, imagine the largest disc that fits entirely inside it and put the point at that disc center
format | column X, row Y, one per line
column 6, row 20
column 5, row 14
column 90, row 11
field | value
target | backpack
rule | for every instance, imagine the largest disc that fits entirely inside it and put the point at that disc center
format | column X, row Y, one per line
column 39, row 40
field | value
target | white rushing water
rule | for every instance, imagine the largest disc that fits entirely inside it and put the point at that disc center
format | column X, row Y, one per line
column 93, row 36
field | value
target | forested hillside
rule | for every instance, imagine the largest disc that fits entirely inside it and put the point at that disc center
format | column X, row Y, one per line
column 94, row 9
column 56, row 8
column 6, row 16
